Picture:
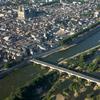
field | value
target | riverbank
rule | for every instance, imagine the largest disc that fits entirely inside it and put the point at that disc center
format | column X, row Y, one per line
column 88, row 43
column 79, row 54
column 76, row 35
column 80, row 38
column 61, row 48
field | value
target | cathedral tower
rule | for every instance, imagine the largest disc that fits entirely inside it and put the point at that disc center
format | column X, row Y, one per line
column 21, row 12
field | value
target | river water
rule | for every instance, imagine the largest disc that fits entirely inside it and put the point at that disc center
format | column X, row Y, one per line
column 23, row 75
column 90, row 42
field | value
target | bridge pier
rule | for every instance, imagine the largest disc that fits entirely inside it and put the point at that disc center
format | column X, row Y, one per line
column 69, row 75
column 88, row 82
column 60, row 72
column 98, row 84
column 50, row 70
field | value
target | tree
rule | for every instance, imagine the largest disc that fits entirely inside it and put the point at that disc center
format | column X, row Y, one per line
column 37, row 88
column 6, row 65
column 81, row 61
column 91, row 67
column 74, row 87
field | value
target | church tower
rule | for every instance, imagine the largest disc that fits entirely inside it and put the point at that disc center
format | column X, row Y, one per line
column 21, row 12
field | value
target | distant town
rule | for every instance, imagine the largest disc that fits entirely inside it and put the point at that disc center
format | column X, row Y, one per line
column 38, row 29
column 30, row 30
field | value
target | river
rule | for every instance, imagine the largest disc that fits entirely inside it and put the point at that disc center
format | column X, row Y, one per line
column 23, row 75
column 90, row 42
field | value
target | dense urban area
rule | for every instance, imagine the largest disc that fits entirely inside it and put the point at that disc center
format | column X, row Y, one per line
column 50, row 49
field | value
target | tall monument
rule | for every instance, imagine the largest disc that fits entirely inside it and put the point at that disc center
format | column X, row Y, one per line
column 21, row 12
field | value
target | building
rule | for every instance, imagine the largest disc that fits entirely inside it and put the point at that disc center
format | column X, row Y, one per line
column 45, row 1
column 21, row 12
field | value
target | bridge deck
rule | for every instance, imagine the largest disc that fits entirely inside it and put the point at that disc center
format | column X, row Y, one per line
column 71, row 72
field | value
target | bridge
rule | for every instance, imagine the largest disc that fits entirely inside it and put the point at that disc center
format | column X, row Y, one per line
column 70, row 72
